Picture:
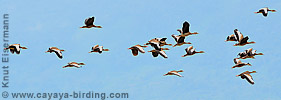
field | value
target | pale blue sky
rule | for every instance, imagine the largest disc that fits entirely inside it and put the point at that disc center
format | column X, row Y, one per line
column 39, row 25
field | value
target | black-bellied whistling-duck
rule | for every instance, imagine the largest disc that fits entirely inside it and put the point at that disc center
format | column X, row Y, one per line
column 191, row 51
column 98, row 48
column 15, row 48
column 137, row 48
column 155, row 43
column 90, row 23
column 241, row 40
column 73, row 64
column 238, row 63
column 265, row 11
column 231, row 38
column 174, row 72
column 163, row 42
column 180, row 40
column 158, row 43
column 155, row 52
column 185, row 29
column 56, row 50
column 249, row 53
column 248, row 77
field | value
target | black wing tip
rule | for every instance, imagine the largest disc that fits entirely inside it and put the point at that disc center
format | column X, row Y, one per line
column 163, row 39
column 186, row 23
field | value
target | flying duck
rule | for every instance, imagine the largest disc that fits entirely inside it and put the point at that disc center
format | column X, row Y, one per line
column 180, row 40
column 174, row 72
column 238, row 63
column 158, row 41
column 191, row 51
column 185, row 29
column 15, row 48
column 98, row 49
column 265, row 11
column 155, row 43
column 89, row 22
column 73, row 64
column 248, row 77
column 249, row 53
column 155, row 52
column 241, row 40
column 137, row 48
column 56, row 50
column 163, row 42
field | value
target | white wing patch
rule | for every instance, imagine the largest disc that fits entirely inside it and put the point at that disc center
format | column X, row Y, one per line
column 249, row 77
column 175, row 73
column 58, row 51
column 265, row 10
column 140, row 49
column 100, row 48
column 17, row 48
column 176, row 37
column 237, row 61
column 162, row 53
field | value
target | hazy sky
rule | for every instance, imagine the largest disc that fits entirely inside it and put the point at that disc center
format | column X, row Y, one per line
column 39, row 25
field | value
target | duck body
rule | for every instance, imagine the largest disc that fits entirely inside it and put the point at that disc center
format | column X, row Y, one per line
column 240, row 39
column 191, row 51
column 265, row 11
column 185, row 29
column 89, row 23
column 73, row 64
column 180, row 40
column 238, row 63
column 98, row 48
column 15, row 48
column 249, row 53
column 174, row 72
column 137, row 48
column 246, row 75
column 56, row 50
